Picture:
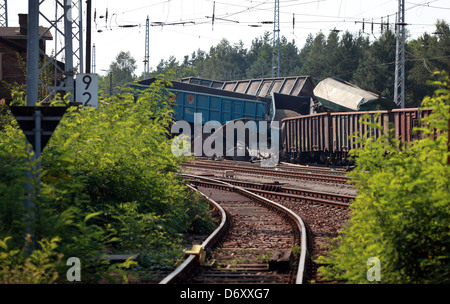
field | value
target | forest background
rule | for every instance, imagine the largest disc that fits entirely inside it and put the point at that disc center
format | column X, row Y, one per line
column 350, row 57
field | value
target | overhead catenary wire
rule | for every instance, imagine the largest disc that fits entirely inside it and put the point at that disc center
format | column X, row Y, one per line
column 293, row 23
column 252, row 7
column 231, row 16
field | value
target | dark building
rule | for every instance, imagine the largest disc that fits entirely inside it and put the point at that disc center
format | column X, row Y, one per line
column 13, row 43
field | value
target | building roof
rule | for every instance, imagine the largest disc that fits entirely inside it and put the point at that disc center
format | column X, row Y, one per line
column 13, row 33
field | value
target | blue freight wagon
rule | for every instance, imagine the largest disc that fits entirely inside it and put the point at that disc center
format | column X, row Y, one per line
column 214, row 104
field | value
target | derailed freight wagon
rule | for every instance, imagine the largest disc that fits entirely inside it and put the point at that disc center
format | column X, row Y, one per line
column 285, row 96
column 328, row 137
column 232, row 103
column 336, row 95
column 210, row 111
column 213, row 104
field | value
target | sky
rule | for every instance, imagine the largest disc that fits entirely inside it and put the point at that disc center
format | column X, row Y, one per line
column 180, row 27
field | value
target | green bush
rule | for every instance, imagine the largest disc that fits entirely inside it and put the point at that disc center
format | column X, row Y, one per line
column 401, row 215
column 108, row 182
column 16, row 267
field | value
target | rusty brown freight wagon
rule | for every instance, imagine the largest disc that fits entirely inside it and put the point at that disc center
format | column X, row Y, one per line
column 328, row 137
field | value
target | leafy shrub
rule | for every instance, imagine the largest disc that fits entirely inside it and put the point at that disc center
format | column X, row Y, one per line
column 39, row 267
column 401, row 214
column 13, row 162
column 108, row 182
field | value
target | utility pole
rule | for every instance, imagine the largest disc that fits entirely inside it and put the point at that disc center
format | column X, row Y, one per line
column 399, row 86
column 88, row 35
column 78, row 49
column 69, row 71
column 32, row 53
column 147, row 49
column 276, row 41
column 32, row 98
column 4, row 14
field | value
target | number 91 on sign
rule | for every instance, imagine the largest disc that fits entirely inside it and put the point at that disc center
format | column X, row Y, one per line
column 86, row 89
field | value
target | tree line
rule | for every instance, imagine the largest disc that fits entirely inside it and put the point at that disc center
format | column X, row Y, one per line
column 350, row 57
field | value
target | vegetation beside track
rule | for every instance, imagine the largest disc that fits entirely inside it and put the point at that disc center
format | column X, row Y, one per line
column 108, row 185
column 400, row 219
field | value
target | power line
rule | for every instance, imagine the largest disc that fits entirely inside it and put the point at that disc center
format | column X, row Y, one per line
column 255, row 6
column 432, row 6
column 146, row 6
column 244, row 13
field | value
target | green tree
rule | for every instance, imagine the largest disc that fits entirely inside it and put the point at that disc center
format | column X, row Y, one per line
column 123, row 68
column 225, row 61
column 290, row 60
column 120, row 72
column 260, row 58
column 349, row 52
column 428, row 53
column 173, row 67
column 376, row 68
column 332, row 57
column 314, row 60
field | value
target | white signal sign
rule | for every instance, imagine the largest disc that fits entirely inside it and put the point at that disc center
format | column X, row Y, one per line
column 86, row 89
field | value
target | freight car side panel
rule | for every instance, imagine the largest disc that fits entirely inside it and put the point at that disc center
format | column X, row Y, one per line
column 404, row 122
column 425, row 113
column 307, row 133
column 331, row 135
column 348, row 127
column 321, row 129
column 216, row 108
column 214, row 104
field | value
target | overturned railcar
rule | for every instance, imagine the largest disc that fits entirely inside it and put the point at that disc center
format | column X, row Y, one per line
column 336, row 95
column 285, row 96
column 231, row 103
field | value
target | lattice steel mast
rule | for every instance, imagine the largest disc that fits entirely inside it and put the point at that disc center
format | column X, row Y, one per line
column 147, row 50
column 276, row 41
column 399, row 86
column 78, row 52
column 4, row 14
column 68, row 13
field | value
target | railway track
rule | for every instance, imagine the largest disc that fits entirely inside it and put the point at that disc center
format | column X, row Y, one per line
column 277, row 191
column 270, row 172
column 338, row 171
column 256, row 242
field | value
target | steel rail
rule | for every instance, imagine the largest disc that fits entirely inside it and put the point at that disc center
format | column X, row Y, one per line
column 191, row 260
column 292, row 193
column 284, row 196
column 271, row 172
column 282, row 166
column 292, row 215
